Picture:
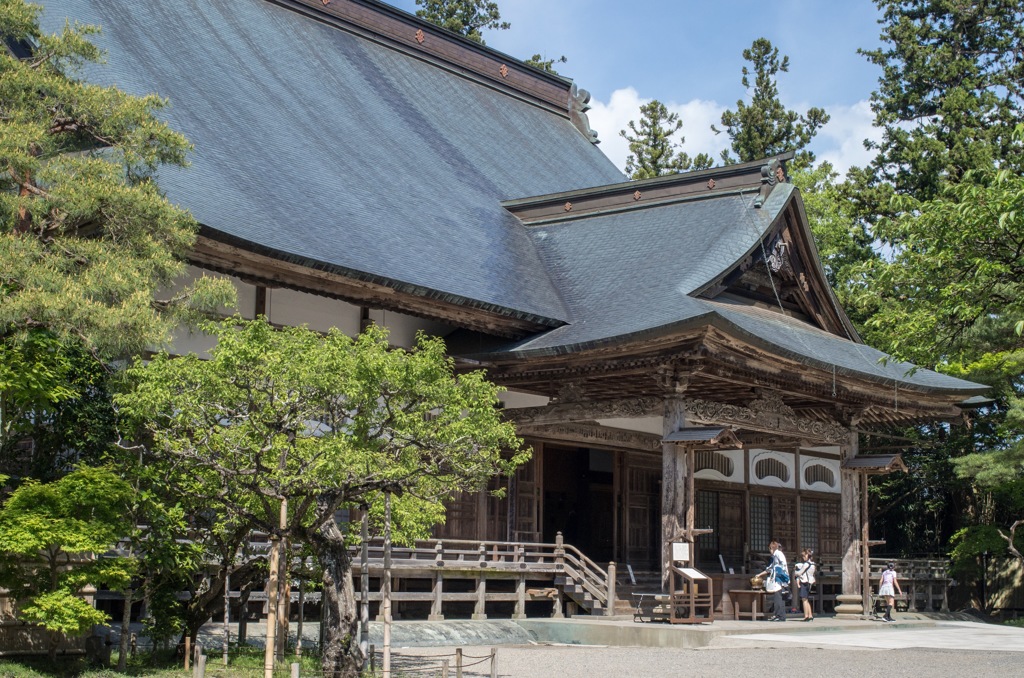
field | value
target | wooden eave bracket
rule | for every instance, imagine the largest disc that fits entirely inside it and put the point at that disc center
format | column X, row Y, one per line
column 704, row 437
column 876, row 464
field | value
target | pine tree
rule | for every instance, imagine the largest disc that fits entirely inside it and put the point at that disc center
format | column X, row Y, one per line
column 950, row 93
column 653, row 152
column 765, row 127
column 465, row 17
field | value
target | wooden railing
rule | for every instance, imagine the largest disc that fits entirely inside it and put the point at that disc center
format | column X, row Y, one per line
column 924, row 581
column 558, row 572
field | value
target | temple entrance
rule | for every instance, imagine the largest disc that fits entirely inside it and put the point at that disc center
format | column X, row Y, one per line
column 579, row 499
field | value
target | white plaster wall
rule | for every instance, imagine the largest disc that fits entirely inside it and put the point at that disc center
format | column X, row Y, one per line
column 289, row 307
column 246, row 292
column 403, row 328
column 831, row 464
column 829, row 449
column 787, row 458
column 738, row 471
column 187, row 341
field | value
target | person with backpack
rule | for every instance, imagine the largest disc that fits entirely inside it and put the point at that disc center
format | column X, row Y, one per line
column 777, row 574
column 805, row 578
column 888, row 587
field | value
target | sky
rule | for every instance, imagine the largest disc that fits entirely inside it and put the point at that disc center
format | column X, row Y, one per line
column 689, row 55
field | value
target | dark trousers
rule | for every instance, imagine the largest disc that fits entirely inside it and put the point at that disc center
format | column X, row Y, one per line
column 778, row 607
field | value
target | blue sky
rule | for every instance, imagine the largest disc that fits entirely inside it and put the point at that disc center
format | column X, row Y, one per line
column 688, row 54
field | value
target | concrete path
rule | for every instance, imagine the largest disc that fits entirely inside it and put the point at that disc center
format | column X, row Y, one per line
column 915, row 646
column 971, row 636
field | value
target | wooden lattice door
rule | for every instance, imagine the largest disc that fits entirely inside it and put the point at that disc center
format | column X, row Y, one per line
column 784, row 521
column 643, row 515
column 525, row 508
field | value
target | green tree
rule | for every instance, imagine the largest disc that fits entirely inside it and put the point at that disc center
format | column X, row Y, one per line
column 765, row 127
column 323, row 423
column 948, row 295
column 843, row 241
column 49, row 534
column 949, row 95
column 465, row 17
column 547, row 65
column 86, row 239
column 652, row 149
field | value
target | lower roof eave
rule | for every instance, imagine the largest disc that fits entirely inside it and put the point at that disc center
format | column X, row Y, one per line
column 639, row 339
column 533, row 321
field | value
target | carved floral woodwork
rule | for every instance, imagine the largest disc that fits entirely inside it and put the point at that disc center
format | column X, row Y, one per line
column 767, row 413
column 766, row 419
column 597, row 434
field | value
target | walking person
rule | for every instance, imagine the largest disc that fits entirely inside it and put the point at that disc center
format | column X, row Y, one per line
column 777, row 573
column 805, row 578
column 887, row 583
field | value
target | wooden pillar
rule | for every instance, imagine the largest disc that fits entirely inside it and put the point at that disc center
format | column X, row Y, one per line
column 674, row 482
column 850, row 601
column 865, row 553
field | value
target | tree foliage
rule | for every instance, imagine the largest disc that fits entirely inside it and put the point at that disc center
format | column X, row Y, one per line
column 764, row 127
column 324, row 422
column 86, row 239
column 546, row 65
column 49, row 535
column 465, row 17
column 950, row 91
column 957, row 264
column 652, row 149
column 842, row 240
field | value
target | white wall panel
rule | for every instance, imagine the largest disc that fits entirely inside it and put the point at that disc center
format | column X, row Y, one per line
column 288, row 307
column 772, row 459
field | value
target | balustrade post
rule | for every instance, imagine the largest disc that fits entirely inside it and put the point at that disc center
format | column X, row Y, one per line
column 610, row 607
column 560, row 570
column 435, row 606
column 520, row 611
column 480, row 610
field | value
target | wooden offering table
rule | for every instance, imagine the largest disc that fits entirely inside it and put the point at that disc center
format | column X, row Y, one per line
column 748, row 603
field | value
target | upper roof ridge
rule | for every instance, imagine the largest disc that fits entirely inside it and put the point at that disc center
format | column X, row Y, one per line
column 758, row 176
column 397, row 29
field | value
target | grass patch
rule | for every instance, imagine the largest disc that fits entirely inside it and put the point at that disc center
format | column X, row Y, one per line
column 243, row 663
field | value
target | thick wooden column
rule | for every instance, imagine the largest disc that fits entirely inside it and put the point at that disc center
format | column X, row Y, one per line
column 674, row 482
column 850, row 530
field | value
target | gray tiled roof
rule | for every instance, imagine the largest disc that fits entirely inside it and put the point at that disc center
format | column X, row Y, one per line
column 335, row 151
column 327, row 149
column 631, row 274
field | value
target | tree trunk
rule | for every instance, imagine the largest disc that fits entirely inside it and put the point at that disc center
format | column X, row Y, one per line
column 126, row 618
column 208, row 599
column 340, row 653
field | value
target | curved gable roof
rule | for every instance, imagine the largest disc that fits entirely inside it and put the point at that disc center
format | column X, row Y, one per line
column 338, row 152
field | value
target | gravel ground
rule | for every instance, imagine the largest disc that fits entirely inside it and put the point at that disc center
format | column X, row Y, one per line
column 728, row 657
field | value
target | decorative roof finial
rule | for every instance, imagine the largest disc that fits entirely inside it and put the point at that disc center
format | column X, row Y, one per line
column 579, row 104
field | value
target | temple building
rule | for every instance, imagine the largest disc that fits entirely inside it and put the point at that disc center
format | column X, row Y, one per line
column 672, row 350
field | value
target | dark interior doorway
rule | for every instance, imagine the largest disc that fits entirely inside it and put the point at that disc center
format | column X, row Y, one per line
column 579, row 499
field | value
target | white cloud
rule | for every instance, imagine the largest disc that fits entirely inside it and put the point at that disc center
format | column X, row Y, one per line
column 841, row 141
column 624, row 105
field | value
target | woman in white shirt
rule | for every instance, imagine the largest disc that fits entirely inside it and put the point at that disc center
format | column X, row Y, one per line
column 805, row 577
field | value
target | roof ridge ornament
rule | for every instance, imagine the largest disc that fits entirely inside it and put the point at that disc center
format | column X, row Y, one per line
column 579, row 104
column 771, row 174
